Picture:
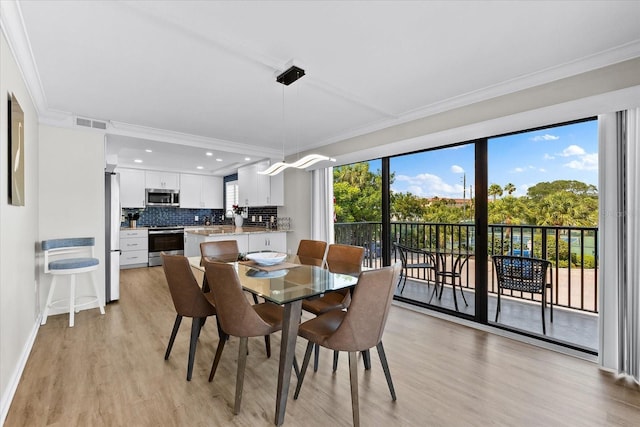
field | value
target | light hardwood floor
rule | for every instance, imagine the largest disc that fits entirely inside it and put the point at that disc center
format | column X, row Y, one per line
column 110, row 370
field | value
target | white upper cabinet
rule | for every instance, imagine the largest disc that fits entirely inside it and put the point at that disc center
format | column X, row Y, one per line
column 132, row 188
column 163, row 180
column 201, row 191
column 212, row 192
column 256, row 189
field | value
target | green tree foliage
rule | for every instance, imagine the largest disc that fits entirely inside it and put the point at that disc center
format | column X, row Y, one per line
column 407, row 207
column 545, row 189
column 358, row 193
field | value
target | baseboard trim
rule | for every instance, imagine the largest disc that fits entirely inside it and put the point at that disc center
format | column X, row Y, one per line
column 7, row 396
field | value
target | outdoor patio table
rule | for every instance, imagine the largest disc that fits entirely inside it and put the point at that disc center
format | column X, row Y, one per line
column 453, row 269
column 287, row 287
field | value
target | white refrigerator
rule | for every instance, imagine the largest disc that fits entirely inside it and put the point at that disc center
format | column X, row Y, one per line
column 112, row 236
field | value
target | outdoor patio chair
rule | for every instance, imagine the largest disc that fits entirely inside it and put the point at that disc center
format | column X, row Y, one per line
column 413, row 258
column 524, row 275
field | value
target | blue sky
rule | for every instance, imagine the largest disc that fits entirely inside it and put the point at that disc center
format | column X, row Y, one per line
column 565, row 152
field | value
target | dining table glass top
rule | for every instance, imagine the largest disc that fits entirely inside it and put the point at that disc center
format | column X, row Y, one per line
column 285, row 285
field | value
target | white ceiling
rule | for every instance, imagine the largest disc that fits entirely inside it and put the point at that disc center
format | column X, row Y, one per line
column 202, row 74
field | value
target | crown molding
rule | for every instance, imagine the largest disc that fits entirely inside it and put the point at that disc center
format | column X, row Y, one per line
column 13, row 28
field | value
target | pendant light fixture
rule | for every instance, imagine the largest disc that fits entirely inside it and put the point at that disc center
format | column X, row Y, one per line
column 289, row 76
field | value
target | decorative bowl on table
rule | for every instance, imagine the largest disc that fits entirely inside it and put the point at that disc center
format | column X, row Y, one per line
column 267, row 258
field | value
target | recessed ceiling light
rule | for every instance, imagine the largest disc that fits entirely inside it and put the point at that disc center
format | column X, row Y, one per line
column 209, row 153
column 199, row 167
column 148, row 151
column 218, row 160
column 138, row 161
column 247, row 158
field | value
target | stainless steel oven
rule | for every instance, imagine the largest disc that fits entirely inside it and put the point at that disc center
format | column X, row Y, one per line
column 169, row 240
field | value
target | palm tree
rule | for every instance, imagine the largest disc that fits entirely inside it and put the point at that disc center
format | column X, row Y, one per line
column 495, row 190
column 509, row 188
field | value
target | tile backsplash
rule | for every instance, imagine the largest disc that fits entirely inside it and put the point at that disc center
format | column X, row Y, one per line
column 162, row 216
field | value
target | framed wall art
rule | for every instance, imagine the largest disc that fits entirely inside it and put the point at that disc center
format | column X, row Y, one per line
column 16, row 152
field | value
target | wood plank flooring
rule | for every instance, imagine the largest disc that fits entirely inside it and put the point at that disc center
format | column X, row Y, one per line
column 110, row 371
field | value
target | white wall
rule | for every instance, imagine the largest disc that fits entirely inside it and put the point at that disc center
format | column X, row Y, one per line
column 297, row 205
column 72, row 195
column 19, row 235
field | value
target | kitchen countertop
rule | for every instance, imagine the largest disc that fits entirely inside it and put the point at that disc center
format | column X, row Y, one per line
column 215, row 230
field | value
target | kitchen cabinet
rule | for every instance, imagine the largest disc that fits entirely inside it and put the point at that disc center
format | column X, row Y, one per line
column 256, row 189
column 192, row 242
column 201, row 191
column 132, row 188
column 162, row 180
column 271, row 241
column 134, row 248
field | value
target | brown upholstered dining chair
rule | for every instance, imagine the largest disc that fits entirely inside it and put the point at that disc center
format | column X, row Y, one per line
column 311, row 252
column 221, row 251
column 357, row 329
column 238, row 318
column 225, row 251
column 345, row 259
column 188, row 300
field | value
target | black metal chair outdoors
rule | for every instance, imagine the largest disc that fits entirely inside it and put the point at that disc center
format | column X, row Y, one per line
column 412, row 258
column 524, row 275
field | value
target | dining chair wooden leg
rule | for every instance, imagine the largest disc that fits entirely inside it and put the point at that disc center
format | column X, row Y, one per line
column 335, row 360
column 316, row 357
column 353, row 377
column 303, row 370
column 296, row 368
column 385, row 368
column 242, row 363
column 267, row 345
column 195, row 332
column 176, row 326
column 366, row 359
column 216, row 359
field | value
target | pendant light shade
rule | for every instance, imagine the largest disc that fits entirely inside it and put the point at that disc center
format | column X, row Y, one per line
column 303, row 163
column 286, row 78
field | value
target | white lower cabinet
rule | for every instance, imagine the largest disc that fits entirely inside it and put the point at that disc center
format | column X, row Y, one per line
column 192, row 242
column 271, row 241
column 247, row 242
column 134, row 248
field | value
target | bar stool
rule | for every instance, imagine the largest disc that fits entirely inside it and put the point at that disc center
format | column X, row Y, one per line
column 65, row 257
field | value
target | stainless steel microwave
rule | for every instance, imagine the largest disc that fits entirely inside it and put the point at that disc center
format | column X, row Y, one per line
column 162, row 197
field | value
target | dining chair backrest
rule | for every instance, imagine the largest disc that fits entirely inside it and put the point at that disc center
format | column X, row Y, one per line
column 311, row 252
column 188, row 299
column 366, row 317
column 236, row 316
column 345, row 259
column 222, row 251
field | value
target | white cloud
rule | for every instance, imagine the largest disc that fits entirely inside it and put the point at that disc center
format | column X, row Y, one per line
column 428, row 185
column 545, row 137
column 457, row 169
column 518, row 170
column 548, row 156
column 573, row 150
column 588, row 162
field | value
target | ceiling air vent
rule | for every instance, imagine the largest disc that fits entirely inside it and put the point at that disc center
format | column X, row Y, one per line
column 88, row 123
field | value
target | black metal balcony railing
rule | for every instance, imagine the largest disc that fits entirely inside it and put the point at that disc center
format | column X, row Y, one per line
column 571, row 250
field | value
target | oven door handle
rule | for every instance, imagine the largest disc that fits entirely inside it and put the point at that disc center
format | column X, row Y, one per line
column 166, row 232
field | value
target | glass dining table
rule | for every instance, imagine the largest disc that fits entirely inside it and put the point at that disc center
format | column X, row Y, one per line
column 287, row 285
